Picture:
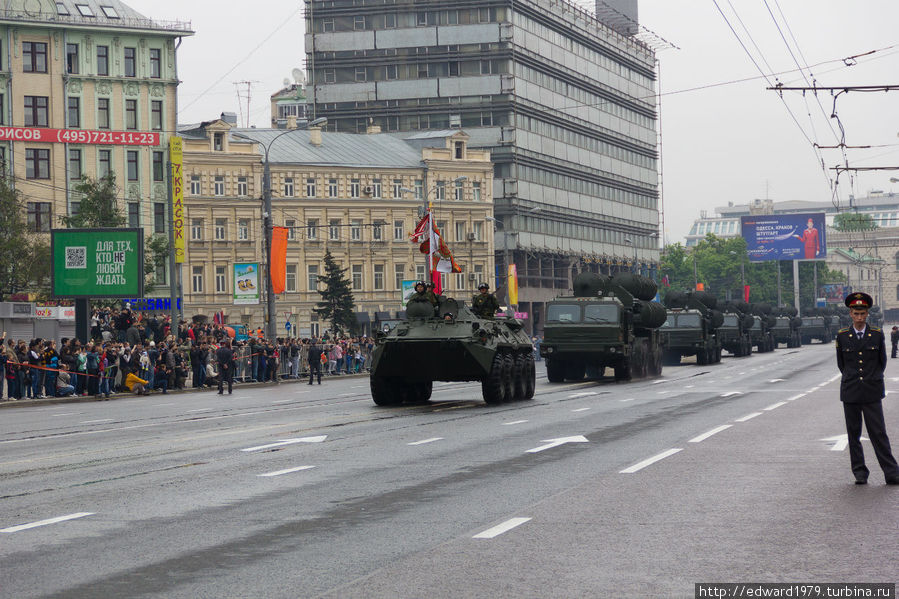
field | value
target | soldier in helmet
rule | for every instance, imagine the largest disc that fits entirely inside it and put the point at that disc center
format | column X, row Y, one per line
column 423, row 295
column 484, row 303
column 431, row 293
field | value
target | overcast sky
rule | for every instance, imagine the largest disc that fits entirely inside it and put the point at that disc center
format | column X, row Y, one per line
column 726, row 142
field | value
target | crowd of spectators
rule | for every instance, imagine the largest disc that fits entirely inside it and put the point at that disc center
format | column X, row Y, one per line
column 137, row 353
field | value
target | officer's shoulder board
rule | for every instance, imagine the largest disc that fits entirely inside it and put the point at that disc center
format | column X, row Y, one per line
column 876, row 329
column 843, row 330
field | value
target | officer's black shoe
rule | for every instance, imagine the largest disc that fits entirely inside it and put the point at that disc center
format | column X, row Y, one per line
column 861, row 481
column 893, row 480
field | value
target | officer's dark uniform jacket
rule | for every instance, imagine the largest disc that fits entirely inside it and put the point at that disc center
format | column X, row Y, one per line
column 424, row 296
column 862, row 362
column 485, row 305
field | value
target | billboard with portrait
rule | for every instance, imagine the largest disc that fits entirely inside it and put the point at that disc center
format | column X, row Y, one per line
column 785, row 236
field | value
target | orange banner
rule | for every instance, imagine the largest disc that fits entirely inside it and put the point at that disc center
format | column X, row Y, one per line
column 279, row 259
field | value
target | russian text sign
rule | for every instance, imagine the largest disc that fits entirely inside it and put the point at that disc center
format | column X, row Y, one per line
column 784, row 236
column 97, row 263
column 80, row 136
column 176, row 157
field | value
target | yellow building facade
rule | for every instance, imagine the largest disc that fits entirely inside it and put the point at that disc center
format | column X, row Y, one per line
column 358, row 196
column 106, row 76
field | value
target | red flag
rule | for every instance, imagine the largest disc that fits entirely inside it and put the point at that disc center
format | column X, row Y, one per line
column 435, row 277
column 746, row 293
column 420, row 229
column 278, row 259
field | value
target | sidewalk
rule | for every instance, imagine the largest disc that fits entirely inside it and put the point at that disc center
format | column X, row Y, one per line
column 21, row 403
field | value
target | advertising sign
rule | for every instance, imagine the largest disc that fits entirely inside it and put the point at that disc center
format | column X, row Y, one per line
column 836, row 293
column 246, row 283
column 98, row 263
column 408, row 289
column 176, row 157
column 80, row 136
column 785, row 236
column 513, row 285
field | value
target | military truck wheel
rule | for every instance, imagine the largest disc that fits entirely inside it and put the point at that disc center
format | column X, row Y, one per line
column 493, row 388
column 717, row 354
column 575, row 371
column 421, row 392
column 530, row 378
column 381, row 392
column 519, row 373
column 623, row 370
column 508, row 373
column 672, row 358
column 555, row 370
column 702, row 356
column 655, row 364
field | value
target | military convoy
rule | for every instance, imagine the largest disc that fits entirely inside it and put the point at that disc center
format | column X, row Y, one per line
column 451, row 343
column 691, row 327
column 818, row 328
column 762, row 323
column 786, row 327
column 609, row 322
column 735, row 332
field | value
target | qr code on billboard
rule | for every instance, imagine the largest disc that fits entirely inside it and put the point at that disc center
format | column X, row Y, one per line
column 76, row 257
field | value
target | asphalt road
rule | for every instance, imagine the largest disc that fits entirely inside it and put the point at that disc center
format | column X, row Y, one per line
column 732, row 472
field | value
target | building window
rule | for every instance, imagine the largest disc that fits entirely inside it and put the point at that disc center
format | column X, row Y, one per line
column 476, row 191
column 330, row 75
column 104, row 163
column 290, row 281
column 478, row 230
column 34, row 57
column 37, row 164
column 377, row 230
column 242, row 189
column 102, row 113
column 310, row 187
column 312, row 277
column 75, row 165
column 196, row 229
column 460, row 281
column 397, row 188
column 62, row 10
column 133, row 215
column 197, row 279
column 376, row 188
column 460, row 231
column 109, row 11
column 334, row 230
column 158, row 217
column 399, row 232
column 327, row 25
column 132, row 160
column 356, row 230
column 291, row 226
column 218, row 185
column 460, row 148
column 39, row 217
column 332, row 188
column 156, row 115
column 357, row 277
column 360, row 75
column 359, row 23
column 131, row 114
column 420, row 272
column 102, row 60
column 72, row 58
column 243, row 229
column 130, row 62
column 399, row 275
column 158, row 166
column 221, row 279
column 36, row 111
column 155, row 63
column 391, row 72
column 85, row 10
column 459, row 196
column 218, row 142
column 379, row 277
column 221, row 226
column 195, row 187
column 441, row 190
column 288, row 187
column 390, row 20
column 419, row 189
column 312, row 229
column 354, row 188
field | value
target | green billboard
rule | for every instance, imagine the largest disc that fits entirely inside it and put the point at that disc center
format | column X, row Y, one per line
column 99, row 263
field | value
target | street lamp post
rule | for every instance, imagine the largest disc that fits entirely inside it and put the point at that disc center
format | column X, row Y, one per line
column 630, row 242
column 270, row 314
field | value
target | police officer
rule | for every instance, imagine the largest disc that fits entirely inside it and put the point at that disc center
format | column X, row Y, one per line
column 423, row 295
column 315, row 361
column 484, row 303
column 862, row 358
column 224, row 355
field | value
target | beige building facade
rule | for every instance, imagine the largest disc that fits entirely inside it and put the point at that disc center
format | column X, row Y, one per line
column 105, row 74
column 870, row 261
column 358, row 196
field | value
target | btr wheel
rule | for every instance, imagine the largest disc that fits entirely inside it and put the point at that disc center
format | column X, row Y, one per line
column 381, row 392
column 508, row 368
column 493, row 388
column 530, row 378
column 519, row 375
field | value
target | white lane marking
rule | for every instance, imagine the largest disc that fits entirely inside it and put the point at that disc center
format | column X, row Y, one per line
column 796, row 397
column 46, row 522
column 659, row 382
column 422, row 442
column 775, row 380
column 775, row 406
column 730, row 393
column 550, row 443
column 199, row 410
column 689, row 386
column 358, row 387
column 282, row 401
column 69, row 414
column 584, row 394
column 841, row 442
column 580, row 410
column 95, row 421
column 515, row 422
column 318, row 439
column 748, row 417
column 287, row 471
column 649, row 461
column 706, row 435
column 346, row 394
column 834, row 378
column 301, row 392
column 500, row 528
column 159, row 405
column 627, row 400
column 740, row 373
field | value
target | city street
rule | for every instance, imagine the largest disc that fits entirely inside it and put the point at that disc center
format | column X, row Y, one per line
column 733, row 472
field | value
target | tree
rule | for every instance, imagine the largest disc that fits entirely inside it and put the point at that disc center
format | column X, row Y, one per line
column 854, row 221
column 337, row 305
column 24, row 256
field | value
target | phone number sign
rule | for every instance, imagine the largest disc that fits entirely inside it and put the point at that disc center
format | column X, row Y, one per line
column 80, row 136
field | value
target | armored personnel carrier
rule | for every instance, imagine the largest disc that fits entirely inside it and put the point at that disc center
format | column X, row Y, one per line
column 691, row 328
column 451, row 344
column 609, row 322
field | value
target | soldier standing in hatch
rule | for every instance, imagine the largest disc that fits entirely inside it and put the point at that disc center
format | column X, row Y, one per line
column 484, row 303
column 862, row 358
column 422, row 294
